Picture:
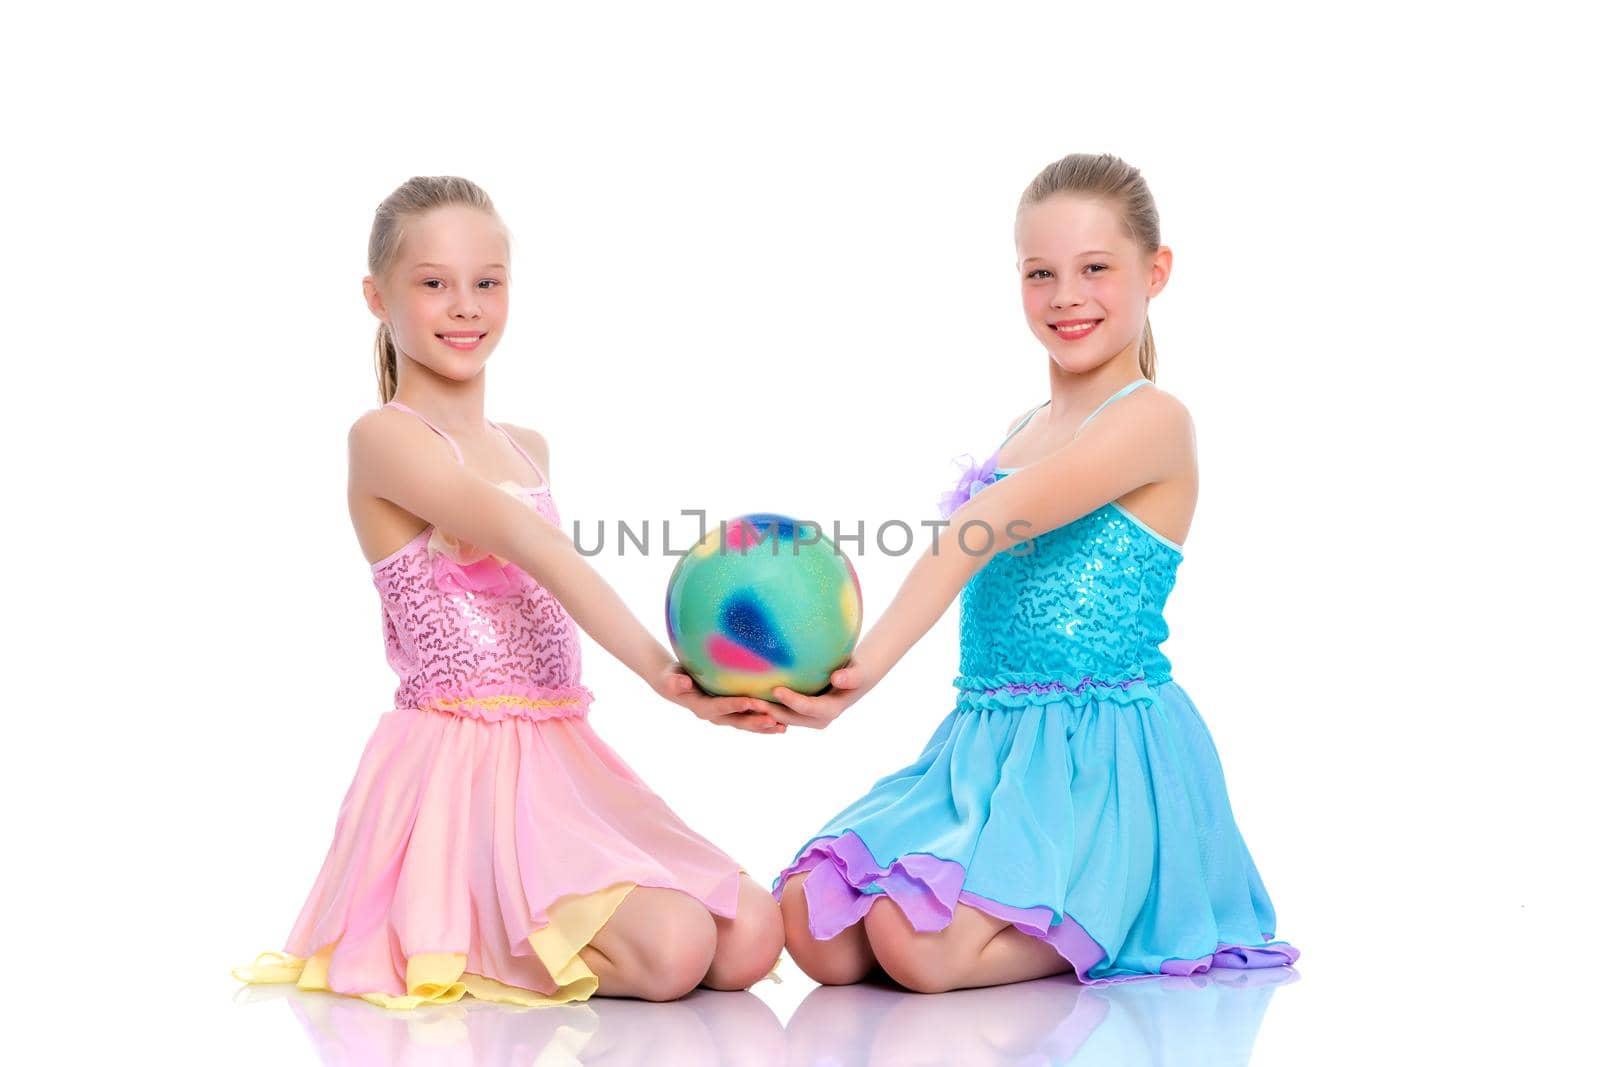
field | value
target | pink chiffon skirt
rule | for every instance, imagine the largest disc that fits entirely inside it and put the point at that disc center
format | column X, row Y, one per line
column 478, row 853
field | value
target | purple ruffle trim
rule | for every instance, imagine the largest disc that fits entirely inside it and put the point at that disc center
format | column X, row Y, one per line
column 1061, row 687
column 1021, row 690
column 927, row 889
column 973, row 478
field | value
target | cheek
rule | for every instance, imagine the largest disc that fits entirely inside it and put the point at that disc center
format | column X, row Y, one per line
column 412, row 307
column 1116, row 294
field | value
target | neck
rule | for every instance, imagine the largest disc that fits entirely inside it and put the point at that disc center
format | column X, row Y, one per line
column 454, row 406
column 1073, row 396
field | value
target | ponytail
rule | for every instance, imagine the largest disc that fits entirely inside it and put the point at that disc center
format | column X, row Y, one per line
column 1147, row 352
column 388, row 365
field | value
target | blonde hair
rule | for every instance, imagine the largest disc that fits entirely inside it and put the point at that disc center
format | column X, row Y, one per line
column 416, row 197
column 1106, row 177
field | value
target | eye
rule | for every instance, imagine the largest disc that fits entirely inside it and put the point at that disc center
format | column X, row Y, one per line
column 430, row 282
column 491, row 281
column 1036, row 273
column 1101, row 267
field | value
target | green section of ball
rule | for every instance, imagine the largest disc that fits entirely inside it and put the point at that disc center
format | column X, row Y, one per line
column 762, row 601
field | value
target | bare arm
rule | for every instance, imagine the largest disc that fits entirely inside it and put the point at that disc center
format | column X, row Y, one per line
column 399, row 460
column 1113, row 457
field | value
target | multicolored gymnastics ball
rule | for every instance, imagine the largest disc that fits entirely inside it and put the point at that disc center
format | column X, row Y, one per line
column 763, row 601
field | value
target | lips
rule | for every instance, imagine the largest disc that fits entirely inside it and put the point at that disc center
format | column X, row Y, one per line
column 1072, row 329
column 461, row 340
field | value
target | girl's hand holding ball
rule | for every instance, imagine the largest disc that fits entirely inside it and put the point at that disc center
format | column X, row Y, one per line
column 742, row 713
column 847, row 685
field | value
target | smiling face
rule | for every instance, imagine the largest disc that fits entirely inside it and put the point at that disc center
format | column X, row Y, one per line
column 1085, row 282
column 445, row 295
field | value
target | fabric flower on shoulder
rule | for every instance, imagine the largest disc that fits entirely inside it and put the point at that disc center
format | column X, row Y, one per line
column 974, row 478
column 461, row 567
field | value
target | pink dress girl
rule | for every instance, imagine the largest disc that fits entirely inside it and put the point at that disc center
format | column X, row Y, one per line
column 489, row 833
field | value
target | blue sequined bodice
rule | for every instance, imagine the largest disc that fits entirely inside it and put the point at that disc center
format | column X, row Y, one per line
column 1078, row 613
column 1085, row 603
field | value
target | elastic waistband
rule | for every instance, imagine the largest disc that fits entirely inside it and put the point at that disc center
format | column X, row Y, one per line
column 492, row 703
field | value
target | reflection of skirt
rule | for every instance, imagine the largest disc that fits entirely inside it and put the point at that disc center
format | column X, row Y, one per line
column 475, row 856
column 1095, row 820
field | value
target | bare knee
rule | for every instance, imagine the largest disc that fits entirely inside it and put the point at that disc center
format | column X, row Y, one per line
column 792, row 910
column 832, row 962
column 919, row 962
column 913, row 966
column 673, row 956
column 748, row 946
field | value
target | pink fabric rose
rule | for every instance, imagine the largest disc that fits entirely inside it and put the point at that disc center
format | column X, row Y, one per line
column 461, row 567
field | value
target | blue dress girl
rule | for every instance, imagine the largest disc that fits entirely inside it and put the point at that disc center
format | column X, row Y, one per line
column 1070, row 812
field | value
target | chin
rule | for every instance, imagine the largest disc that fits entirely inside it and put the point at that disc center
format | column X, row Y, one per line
column 455, row 371
column 1076, row 362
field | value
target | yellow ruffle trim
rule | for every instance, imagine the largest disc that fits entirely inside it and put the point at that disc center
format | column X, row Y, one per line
column 505, row 700
column 441, row 978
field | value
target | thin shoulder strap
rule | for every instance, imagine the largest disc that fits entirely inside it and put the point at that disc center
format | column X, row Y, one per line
column 454, row 447
column 543, row 478
column 1118, row 395
column 1018, row 428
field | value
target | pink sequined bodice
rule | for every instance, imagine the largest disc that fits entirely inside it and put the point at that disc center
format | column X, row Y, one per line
column 482, row 640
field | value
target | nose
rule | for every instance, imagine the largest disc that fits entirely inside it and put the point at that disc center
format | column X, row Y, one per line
column 465, row 305
column 1066, row 293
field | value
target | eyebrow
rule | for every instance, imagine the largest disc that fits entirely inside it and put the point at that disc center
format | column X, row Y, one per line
column 441, row 266
column 1095, row 252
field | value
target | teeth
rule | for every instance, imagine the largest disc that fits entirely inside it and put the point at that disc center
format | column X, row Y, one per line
column 1075, row 329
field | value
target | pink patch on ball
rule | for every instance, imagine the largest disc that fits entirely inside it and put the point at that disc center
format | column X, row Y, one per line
column 729, row 656
column 741, row 534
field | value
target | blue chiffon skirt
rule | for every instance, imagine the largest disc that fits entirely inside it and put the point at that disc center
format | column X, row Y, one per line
column 1096, row 821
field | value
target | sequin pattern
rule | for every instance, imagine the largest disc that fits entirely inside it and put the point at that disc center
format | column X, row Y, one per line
column 457, row 650
column 1082, row 609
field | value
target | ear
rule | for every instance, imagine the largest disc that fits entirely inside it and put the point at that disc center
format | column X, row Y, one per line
column 1160, row 269
column 369, row 290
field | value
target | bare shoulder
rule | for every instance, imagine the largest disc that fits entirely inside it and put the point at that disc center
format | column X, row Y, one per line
column 534, row 442
column 1163, row 423
column 374, row 431
column 1167, row 413
column 368, row 427
column 383, row 439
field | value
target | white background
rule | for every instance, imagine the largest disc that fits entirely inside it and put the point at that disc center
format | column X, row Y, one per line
column 762, row 261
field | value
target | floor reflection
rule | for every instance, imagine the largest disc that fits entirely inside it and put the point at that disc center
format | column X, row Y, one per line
column 1210, row 1019
column 704, row 1030
column 1203, row 1019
